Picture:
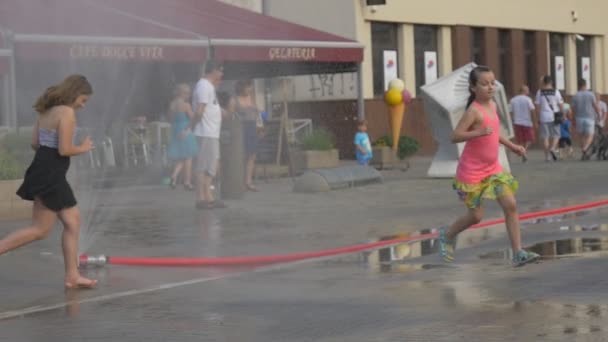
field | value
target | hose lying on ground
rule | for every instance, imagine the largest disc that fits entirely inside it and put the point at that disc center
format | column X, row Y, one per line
column 270, row 259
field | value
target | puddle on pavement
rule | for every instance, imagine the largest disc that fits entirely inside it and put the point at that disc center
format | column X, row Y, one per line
column 568, row 319
column 578, row 247
column 393, row 258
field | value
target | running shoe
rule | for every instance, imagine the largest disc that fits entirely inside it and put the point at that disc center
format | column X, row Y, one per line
column 446, row 246
column 524, row 257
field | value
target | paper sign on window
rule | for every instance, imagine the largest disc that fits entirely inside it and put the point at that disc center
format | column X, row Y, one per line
column 586, row 70
column 430, row 67
column 390, row 67
column 560, row 75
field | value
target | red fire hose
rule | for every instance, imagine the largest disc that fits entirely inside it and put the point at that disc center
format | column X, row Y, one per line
column 270, row 259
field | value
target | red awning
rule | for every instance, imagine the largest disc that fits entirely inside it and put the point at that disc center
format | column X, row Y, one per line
column 241, row 35
column 170, row 30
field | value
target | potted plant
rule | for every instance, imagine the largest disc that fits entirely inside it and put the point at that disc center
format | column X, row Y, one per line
column 384, row 157
column 317, row 151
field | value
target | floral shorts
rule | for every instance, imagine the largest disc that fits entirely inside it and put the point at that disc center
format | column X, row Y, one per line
column 492, row 187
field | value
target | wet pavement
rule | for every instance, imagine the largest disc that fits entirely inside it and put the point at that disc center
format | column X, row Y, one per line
column 398, row 293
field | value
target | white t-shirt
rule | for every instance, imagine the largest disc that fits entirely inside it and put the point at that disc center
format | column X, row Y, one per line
column 548, row 108
column 521, row 107
column 211, row 123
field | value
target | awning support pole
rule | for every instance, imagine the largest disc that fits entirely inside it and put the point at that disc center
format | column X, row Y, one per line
column 360, row 99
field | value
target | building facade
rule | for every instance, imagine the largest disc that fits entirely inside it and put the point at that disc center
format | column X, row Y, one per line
column 422, row 40
column 520, row 40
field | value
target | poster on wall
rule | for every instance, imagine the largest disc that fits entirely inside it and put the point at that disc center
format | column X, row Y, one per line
column 586, row 70
column 390, row 67
column 560, row 75
column 430, row 67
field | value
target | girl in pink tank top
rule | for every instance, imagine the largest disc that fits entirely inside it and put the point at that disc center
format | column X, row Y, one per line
column 479, row 174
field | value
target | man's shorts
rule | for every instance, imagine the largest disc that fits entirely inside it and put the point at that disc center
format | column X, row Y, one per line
column 523, row 134
column 208, row 155
column 585, row 126
column 549, row 130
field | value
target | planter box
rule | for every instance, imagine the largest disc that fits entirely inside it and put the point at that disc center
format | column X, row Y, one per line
column 12, row 207
column 306, row 160
column 384, row 158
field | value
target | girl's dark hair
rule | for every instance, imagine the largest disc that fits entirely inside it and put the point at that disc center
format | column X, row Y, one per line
column 223, row 99
column 473, row 79
column 241, row 85
column 64, row 93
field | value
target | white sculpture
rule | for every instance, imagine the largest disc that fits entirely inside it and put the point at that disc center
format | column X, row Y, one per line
column 444, row 102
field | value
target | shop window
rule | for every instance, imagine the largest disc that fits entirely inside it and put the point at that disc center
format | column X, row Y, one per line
column 425, row 54
column 384, row 38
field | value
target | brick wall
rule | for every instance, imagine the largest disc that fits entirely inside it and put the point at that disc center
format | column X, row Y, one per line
column 340, row 117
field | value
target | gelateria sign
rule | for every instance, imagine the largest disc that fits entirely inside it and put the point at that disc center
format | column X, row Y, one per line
column 116, row 52
column 292, row 53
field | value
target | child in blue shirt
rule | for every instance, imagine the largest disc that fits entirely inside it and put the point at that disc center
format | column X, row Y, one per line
column 565, row 142
column 363, row 144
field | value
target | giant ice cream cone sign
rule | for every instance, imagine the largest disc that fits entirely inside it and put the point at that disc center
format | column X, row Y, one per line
column 396, row 98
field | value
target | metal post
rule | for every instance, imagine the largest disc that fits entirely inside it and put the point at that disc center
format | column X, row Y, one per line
column 12, row 116
column 6, row 101
column 6, row 109
column 267, row 81
column 360, row 99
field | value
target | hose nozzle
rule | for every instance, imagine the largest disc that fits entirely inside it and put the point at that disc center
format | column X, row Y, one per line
column 88, row 260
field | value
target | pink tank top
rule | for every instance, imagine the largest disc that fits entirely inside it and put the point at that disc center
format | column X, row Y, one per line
column 479, row 158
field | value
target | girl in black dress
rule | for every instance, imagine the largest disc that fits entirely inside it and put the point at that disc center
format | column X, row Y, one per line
column 45, row 180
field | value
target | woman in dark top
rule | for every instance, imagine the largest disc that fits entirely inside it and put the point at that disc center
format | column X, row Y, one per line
column 249, row 113
column 45, row 180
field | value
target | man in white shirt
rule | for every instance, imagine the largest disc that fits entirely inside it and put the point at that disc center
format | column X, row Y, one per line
column 549, row 101
column 207, row 125
column 522, row 109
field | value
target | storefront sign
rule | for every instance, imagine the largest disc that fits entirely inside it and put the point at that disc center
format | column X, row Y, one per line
column 292, row 54
column 119, row 52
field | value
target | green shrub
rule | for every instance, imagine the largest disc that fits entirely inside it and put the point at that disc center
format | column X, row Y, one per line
column 383, row 141
column 10, row 167
column 19, row 146
column 407, row 145
column 319, row 140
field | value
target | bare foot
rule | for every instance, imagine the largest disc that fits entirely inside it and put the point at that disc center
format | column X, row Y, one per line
column 80, row 283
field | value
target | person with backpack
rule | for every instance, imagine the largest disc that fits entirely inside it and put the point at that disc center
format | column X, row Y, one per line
column 550, row 113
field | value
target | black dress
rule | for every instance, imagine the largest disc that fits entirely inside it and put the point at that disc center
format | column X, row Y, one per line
column 45, row 178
